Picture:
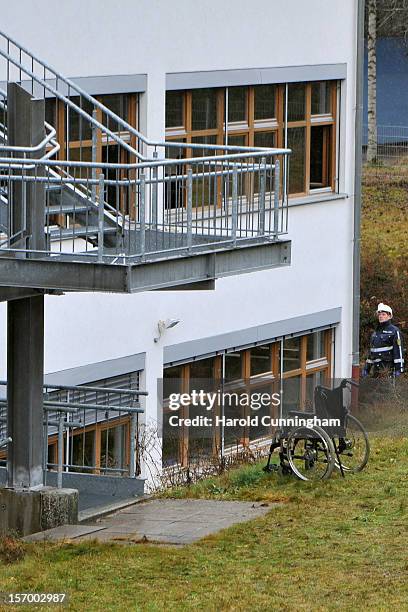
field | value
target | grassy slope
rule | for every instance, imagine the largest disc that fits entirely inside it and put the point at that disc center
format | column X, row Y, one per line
column 384, row 215
column 384, row 247
column 337, row 545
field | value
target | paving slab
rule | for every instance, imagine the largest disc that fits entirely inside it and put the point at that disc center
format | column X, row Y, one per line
column 168, row 521
column 64, row 532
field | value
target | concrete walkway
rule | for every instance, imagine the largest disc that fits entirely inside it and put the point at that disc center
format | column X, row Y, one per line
column 169, row 521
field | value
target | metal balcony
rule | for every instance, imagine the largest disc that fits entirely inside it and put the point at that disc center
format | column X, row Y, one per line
column 161, row 215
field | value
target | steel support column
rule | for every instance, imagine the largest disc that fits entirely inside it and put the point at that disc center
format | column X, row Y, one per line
column 25, row 375
column 25, row 317
column 25, row 128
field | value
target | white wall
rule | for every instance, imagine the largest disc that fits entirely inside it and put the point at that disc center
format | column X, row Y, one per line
column 154, row 37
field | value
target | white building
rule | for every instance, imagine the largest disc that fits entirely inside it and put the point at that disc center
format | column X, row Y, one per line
column 283, row 75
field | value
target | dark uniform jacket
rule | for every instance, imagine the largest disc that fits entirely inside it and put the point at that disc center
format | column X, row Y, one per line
column 385, row 349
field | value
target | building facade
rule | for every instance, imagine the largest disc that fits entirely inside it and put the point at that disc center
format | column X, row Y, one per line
column 212, row 73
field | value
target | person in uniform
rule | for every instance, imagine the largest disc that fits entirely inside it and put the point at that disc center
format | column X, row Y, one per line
column 386, row 356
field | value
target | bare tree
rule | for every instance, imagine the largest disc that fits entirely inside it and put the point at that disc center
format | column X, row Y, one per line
column 392, row 18
column 372, row 81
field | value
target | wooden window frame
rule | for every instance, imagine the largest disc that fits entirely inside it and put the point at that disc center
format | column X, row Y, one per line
column 275, row 125
column 97, row 428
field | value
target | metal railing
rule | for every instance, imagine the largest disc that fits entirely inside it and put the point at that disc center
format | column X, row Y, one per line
column 114, row 196
column 87, row 429
column 392, row 144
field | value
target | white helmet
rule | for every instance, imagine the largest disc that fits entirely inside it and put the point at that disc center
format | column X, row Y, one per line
column 384, row 308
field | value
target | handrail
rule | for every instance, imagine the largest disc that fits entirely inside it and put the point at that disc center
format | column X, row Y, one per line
column 119, row 120
column 34, row 148
column 88, row 389
column 210, row 159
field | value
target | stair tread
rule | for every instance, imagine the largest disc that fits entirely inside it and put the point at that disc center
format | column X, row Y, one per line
column 66, row 209
column 70, row 232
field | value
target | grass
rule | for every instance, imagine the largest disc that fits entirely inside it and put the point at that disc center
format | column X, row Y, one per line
column 335, row 545
column 384, row 219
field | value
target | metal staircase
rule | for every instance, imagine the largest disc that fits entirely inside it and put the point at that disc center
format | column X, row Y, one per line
column 153, row 205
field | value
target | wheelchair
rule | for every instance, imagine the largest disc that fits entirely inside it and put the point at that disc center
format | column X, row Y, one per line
column 312, row 452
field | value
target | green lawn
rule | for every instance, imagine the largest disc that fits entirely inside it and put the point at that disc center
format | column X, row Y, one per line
column 341, row 544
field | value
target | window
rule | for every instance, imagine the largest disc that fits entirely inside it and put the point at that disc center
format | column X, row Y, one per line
column 256, row 370
column 204, row 109
column 102, row 444
column 237, row 104
column 265, row 100
column 255, row 116
column 74, row 133
column 174, row 109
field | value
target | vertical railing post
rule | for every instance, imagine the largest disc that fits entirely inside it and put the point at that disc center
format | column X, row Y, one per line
column 261, row 207
column 142, row 215
column 189, row 208
column 94, row 157
column 67, row 449
column 276, row 198
column 234, row 204
column 60, row 449
column 101, row 216
column 154, row 193
column 45, row 448
column 132, row 459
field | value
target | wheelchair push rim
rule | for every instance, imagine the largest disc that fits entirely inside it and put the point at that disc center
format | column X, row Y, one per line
column 310, row 453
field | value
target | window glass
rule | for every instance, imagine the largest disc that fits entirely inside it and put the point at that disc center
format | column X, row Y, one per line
column 204, row 189
column 297, row 161
column 264, row 102
column 113, row 449
column 291, row 394
column 80, row 128
column 237, row 140
column 261, row 359
column 312, row 381
column 296, row 101
column 237, row 104
column 80, row 154
column 172, row 380
column 320, row 156
column 264, row 139
column 83, row 450
column 174, row 109
column 321, row 97
column 315, row 346
column 291, row 354
column 117, row 103
column 50, row 114
column 171, row 436
column 212, row 139
column 233, row 366
column 202, row 369
column 204, row 109
column 261, row 408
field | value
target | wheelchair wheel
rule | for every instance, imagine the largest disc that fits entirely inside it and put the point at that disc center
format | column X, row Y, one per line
column 310, row 453
column 354, row 448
